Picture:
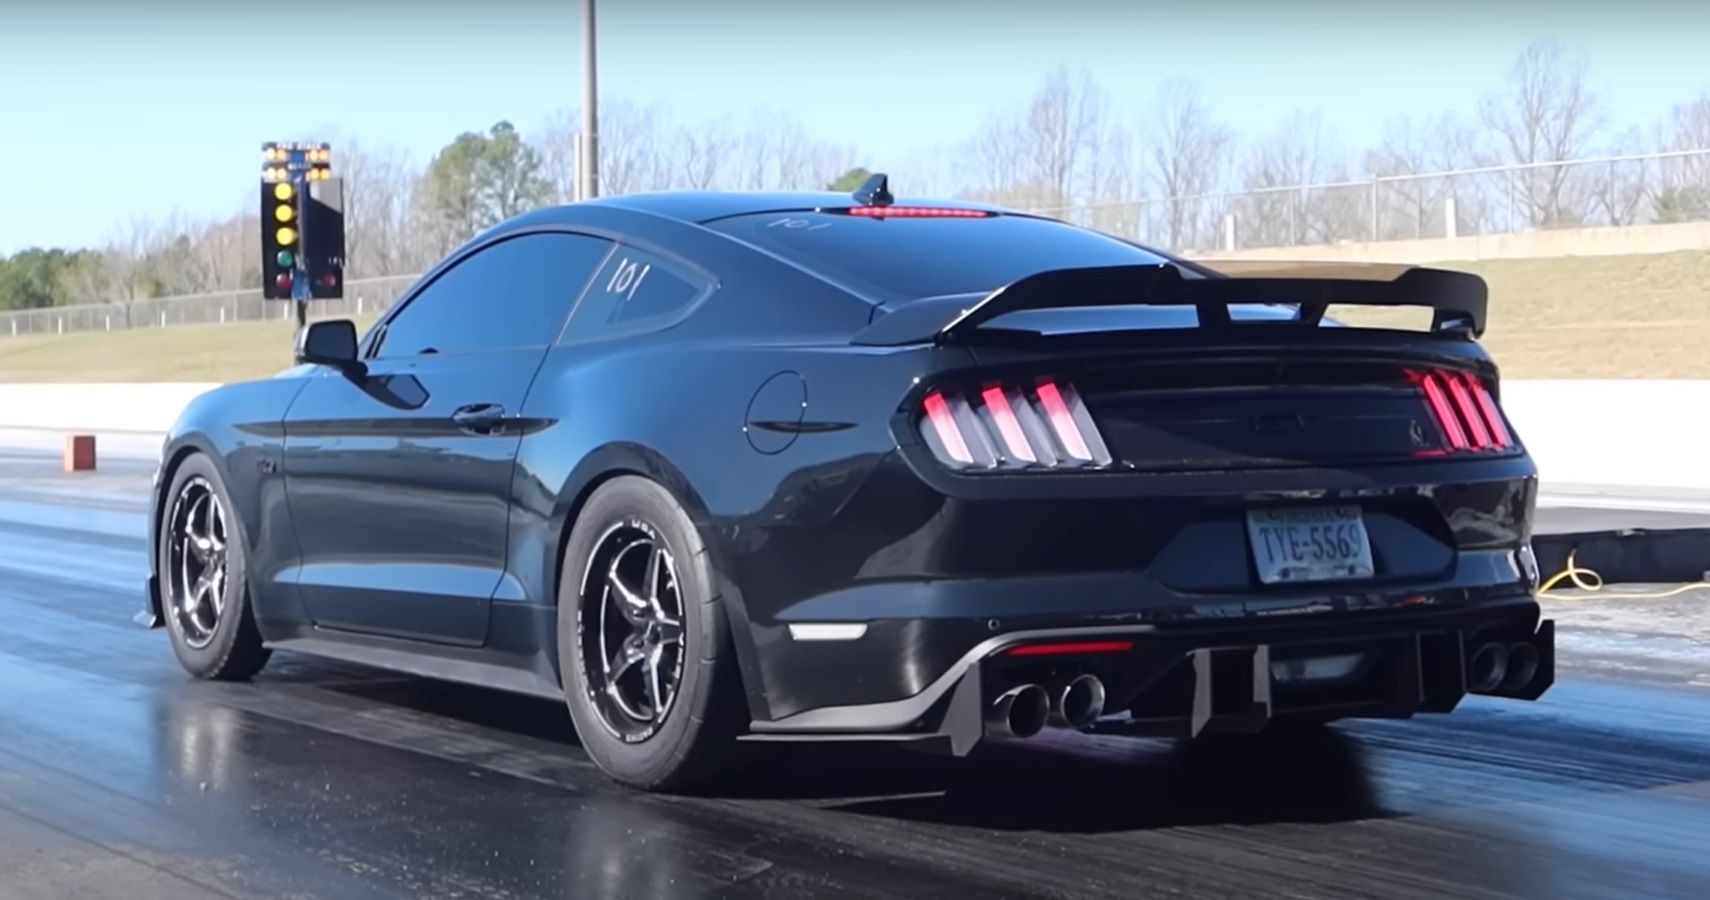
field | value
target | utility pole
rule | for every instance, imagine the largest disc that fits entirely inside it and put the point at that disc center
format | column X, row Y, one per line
column 590, row 150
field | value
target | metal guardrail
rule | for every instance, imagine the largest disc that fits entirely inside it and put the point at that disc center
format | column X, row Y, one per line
column 1612, row 190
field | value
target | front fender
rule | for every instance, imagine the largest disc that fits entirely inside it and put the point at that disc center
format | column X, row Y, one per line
column 238, row 427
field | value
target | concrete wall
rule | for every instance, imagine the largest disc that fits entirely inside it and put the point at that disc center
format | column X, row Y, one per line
column 147, row 408
column 1637, row 239
column 1619, row 433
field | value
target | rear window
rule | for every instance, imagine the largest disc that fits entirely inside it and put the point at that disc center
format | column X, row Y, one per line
column 902, row 259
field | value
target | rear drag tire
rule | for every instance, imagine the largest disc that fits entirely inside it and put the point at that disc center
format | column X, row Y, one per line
column 694, row 747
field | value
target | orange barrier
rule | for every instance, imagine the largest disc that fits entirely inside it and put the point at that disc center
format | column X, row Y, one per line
column 79, row 453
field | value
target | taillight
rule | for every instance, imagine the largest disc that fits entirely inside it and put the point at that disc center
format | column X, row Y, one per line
column 1006, row 426
column 1464, row 411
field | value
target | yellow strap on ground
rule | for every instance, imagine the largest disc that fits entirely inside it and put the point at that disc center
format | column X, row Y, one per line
column 1590, row 581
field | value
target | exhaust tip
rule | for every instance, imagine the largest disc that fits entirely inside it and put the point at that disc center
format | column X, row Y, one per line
column 1079, row 703
column 1019, row 712
column 1487, row 668
column 1522, row 666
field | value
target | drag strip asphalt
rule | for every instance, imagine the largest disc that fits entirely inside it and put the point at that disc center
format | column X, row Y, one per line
column 122, row 777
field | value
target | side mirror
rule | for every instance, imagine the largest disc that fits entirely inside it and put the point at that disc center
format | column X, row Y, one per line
column 331, row 343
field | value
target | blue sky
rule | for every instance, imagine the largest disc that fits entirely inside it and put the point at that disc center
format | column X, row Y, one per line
column 118, row 108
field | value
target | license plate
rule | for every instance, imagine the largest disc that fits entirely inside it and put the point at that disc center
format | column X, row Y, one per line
column 1326, row 543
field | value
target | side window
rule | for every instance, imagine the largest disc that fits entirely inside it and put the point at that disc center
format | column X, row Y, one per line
column 632, row 292
column 511, row 294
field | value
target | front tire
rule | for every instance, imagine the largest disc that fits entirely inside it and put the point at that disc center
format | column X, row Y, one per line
column 204, row 587
column 644, row 648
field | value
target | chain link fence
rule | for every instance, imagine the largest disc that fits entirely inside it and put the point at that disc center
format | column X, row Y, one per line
column 1609, row 191
column 1619, row 191
column 363, row 297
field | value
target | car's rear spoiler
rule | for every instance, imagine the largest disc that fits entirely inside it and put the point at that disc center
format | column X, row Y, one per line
column 1459, row 300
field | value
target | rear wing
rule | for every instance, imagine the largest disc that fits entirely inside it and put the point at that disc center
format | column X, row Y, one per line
column 1459, row 301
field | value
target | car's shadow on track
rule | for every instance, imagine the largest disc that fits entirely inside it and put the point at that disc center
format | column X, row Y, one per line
column 1079, row 785
column 1058, row 783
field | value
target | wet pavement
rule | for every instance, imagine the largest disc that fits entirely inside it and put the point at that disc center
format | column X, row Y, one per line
column 121, row 777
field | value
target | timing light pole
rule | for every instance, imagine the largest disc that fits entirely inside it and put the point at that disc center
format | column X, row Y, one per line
column 590, row 150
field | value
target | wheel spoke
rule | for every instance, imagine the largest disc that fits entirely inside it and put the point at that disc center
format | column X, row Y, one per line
column 655, row 697
column 655, row 558
column 216, row 526
column 195, row 542
column 634, row 607
column 217, row 589
column 670, row 632
column 621, row 662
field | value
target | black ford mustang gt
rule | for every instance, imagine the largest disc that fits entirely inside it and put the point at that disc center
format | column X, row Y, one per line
column 717, row 468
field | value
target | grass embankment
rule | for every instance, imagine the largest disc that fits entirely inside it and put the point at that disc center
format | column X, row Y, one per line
column 1569, row 317
column 1593, row 316
column 216, row 353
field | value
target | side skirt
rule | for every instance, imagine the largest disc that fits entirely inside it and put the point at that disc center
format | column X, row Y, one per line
column 423, row 660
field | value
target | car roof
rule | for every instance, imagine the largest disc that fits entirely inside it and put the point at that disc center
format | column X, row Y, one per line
column 700, row 207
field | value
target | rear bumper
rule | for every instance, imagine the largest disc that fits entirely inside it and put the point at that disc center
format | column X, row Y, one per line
column 1186, row 677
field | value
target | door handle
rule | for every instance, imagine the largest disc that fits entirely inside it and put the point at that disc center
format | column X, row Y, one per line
column 481, row 418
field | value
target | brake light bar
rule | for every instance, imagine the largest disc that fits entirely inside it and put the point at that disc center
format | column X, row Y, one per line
column 1046, row 425
column 914, row 212
column 1464, row 411
column 1071, row 648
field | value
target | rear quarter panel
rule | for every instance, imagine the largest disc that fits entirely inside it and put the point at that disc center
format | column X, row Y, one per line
column 677, row 412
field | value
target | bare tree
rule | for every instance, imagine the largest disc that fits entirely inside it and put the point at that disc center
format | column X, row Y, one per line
column 173, row 265
column 1115, row 188
column 379, row 187
column 1064, row 125
column 632, row 148
column 1287, row 171
column 707, row 154
column 803, row 162
column 1043, row 155
column 1412, row 194
column 556, row 140
column 1547, row 114
column 218, row 256
column 127, row 273
column 928, row 172
column 996, row 171
column 1617, row 192
column 1187, row 154
column 1681, row 189
column 634, row 144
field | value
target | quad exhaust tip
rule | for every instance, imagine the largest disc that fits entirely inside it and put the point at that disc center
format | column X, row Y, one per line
column 1522, row 666
column 1506, row 667
column 1019, row 712
column 1488, row 667
column 1079, row 703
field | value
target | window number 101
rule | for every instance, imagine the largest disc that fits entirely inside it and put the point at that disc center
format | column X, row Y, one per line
column 627, row 279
